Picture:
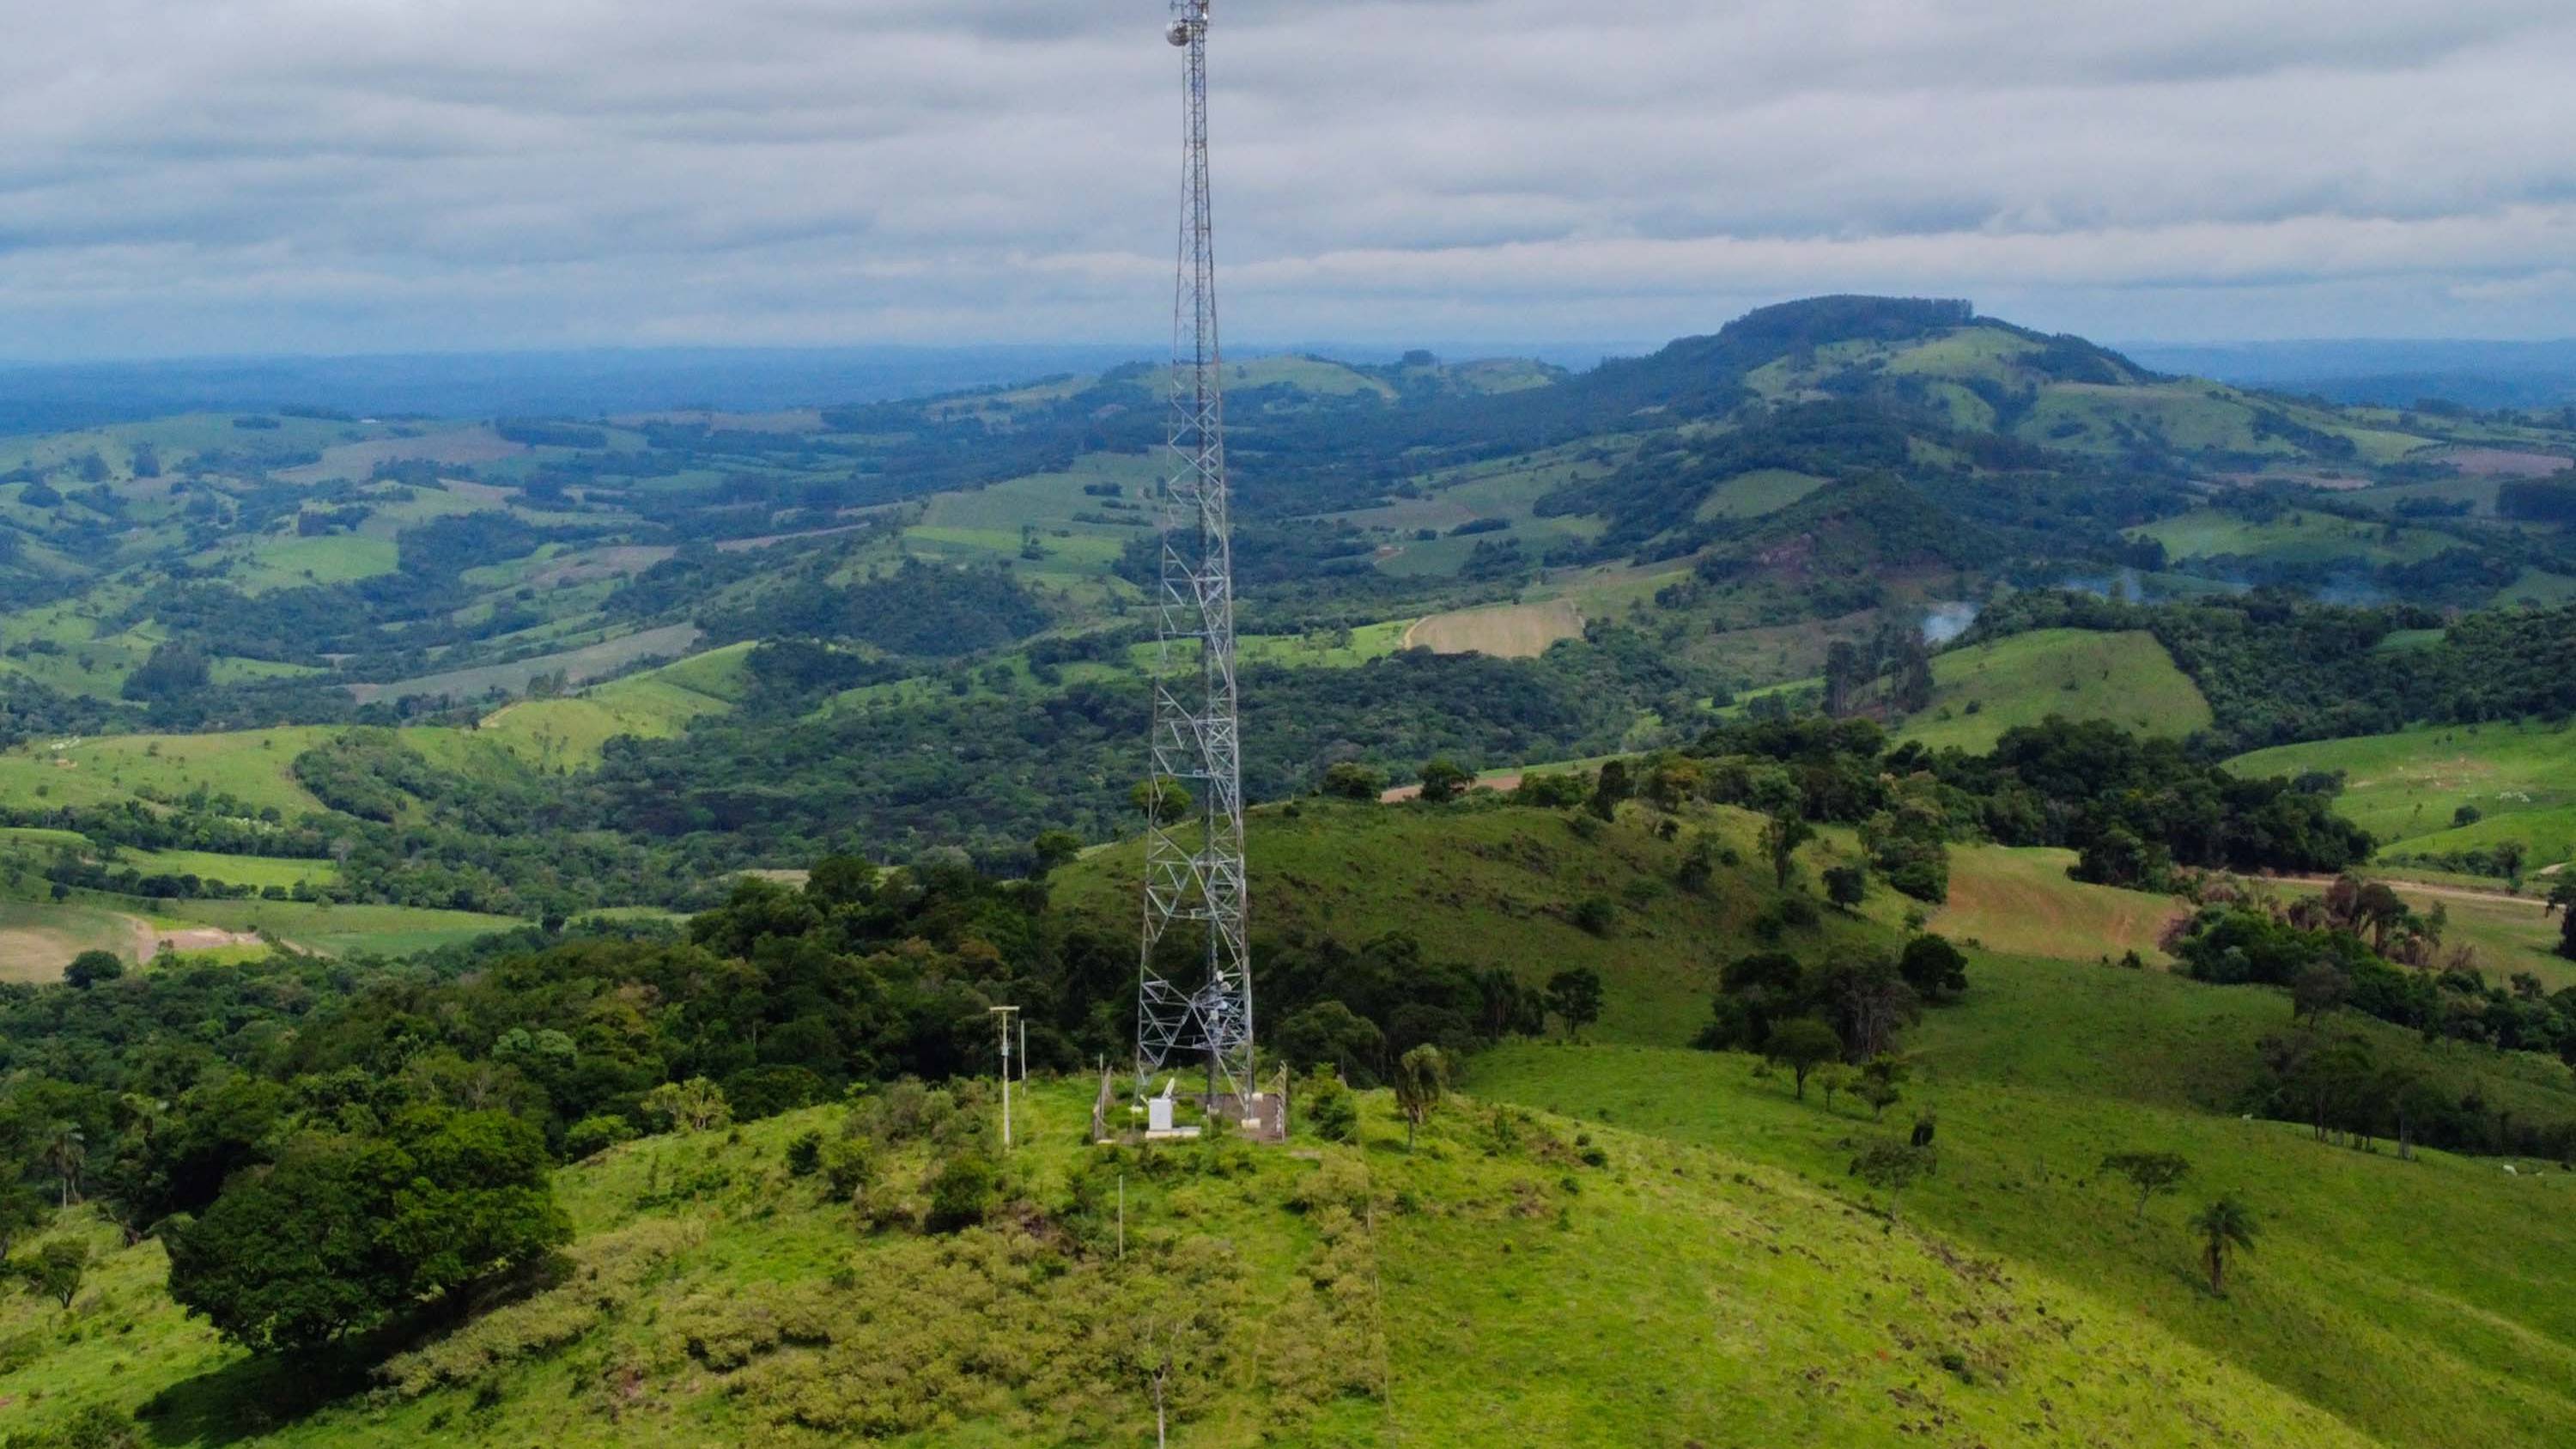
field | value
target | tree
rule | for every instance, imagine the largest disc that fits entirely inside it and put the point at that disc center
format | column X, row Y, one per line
column 1836, row 1076
column 1444, row 779
column 1053, row 848
column 22, row 1206
column 1421, row 1077
column 2150, row 1172
column 1331, row 1034
column 92, row 967
column 691, row 1106
column 1890, row 1166
column 1164, row 802
column 1609, row 788
column 1846, row 885
column 2317, row 990
column 1575, row 995
column 2224, row 1226
column 67, row 1152
column 56, row 1268
column 1802, row 1044
column 1867, row 998
column 1933, row 967
column 1881, row 1083
column 344, row 1231
column 2509, row 858
column 1352, row 780
column 1782, row 834
column 850, row 880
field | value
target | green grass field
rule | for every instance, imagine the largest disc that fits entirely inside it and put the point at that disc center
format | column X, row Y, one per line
column 2406, row 788
column 2126, row 678
column 2295, row 537
column 2020, row 902
column 1766, row 490
column 348, row 930
column 250, row 765
column 566, row 734
column 2436, row 1326
column 250, row 870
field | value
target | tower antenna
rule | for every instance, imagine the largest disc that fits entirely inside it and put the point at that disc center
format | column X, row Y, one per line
column 1194, row 871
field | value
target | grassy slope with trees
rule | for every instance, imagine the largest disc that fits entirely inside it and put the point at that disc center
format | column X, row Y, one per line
column 1692, row 1257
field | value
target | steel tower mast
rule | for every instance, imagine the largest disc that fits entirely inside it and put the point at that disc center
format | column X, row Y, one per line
column 1194, row 873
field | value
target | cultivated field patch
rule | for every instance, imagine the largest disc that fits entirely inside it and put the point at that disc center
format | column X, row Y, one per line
column 1506, row 631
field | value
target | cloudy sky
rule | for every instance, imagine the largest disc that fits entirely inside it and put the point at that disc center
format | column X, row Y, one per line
column 260, row 176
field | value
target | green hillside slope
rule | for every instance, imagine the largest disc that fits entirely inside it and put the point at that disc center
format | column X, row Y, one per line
column 1985, row 689
column 2409, row 788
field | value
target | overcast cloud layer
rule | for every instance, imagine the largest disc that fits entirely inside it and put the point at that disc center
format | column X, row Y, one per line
column 236, row 176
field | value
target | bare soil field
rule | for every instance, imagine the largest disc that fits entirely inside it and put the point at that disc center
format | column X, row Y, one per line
column 2505, row 463
column 150, row 941
column 357, row 460
column 1507, row 631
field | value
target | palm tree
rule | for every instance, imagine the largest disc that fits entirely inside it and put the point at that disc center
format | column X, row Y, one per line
column 66, row 1151
column 1420, row 1077
column 2223, row 1225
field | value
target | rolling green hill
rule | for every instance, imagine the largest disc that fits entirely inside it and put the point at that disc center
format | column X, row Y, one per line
column 2409, row 788
column 1982, row 690
column 1617, row 1241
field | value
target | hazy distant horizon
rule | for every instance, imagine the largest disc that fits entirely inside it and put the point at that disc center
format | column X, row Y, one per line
column 37, row 395
column 281, row 179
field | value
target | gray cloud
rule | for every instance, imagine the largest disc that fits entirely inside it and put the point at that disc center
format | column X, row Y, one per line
column 265, row 175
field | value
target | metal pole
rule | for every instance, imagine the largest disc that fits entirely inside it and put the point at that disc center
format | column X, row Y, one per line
column 1004, row 1014
column 1122, row 1217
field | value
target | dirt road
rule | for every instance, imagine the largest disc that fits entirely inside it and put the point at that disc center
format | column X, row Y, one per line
column 2457, row 893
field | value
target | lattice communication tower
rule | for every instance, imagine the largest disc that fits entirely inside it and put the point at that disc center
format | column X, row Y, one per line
column 1194, row 874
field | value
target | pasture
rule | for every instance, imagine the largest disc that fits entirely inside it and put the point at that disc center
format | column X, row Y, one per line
column 2408, row 788
column 1984, row 689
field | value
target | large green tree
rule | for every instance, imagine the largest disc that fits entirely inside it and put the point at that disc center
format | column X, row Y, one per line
column 344, row 1231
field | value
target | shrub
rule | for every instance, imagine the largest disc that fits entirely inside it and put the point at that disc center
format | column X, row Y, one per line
column 1332, row 1110
column 593, row 1135
column 1595, row 914
column 963, row 1192
column 805, row 1154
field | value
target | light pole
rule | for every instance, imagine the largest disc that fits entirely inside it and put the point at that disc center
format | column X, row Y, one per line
column 1003, row 1015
